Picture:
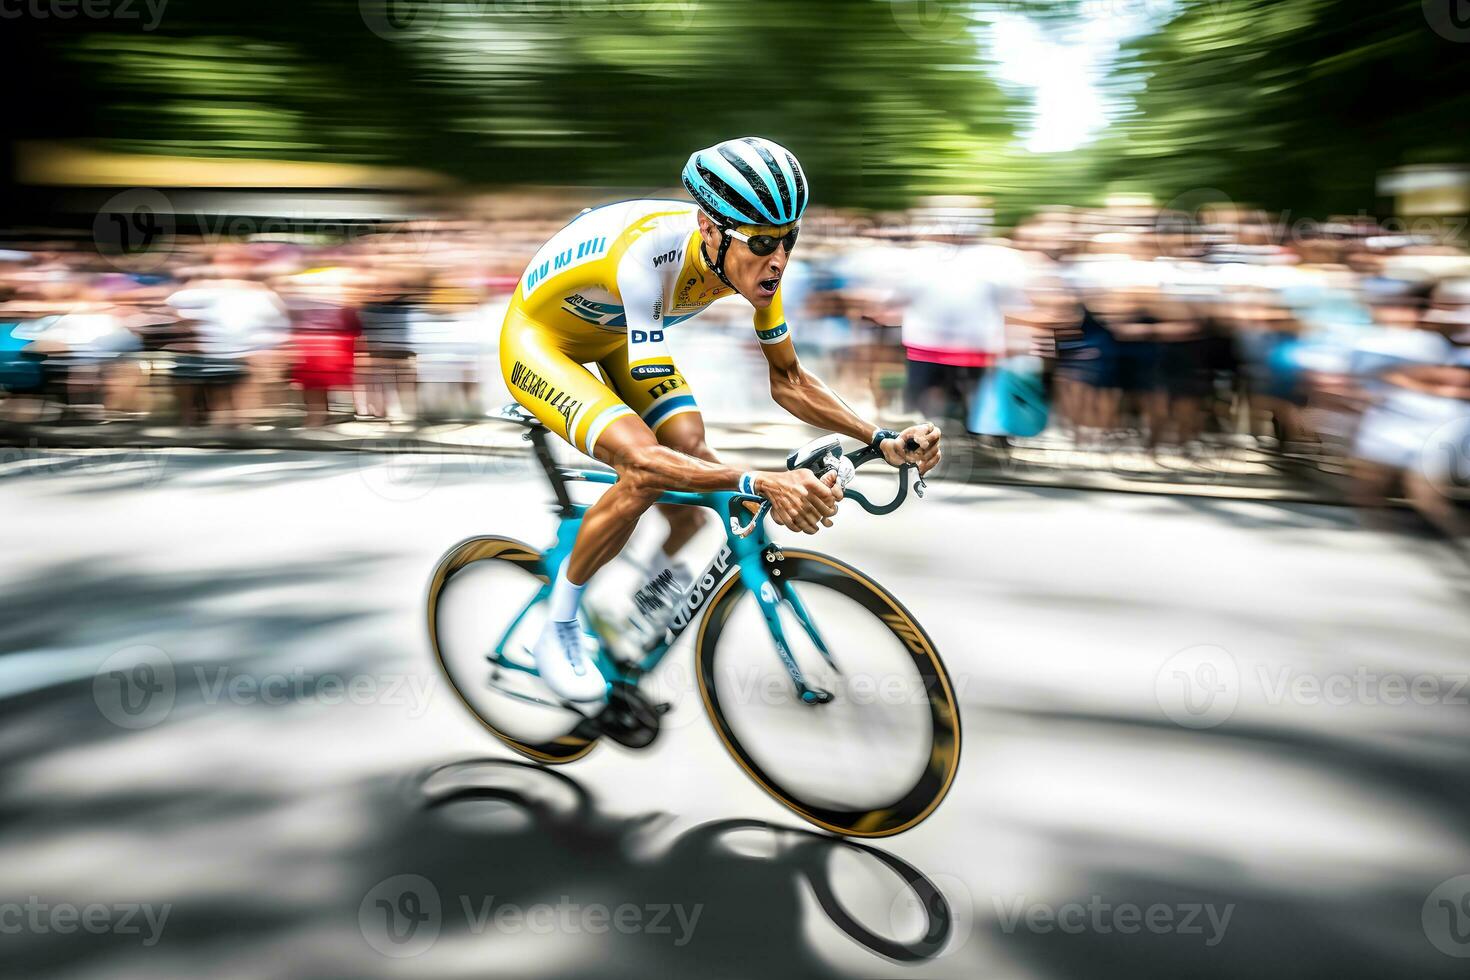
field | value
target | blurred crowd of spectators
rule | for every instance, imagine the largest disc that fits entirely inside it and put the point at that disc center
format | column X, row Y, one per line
column 388, row 325
column 1343, row 344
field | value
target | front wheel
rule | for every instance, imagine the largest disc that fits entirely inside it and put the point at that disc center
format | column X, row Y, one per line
column 876, row 758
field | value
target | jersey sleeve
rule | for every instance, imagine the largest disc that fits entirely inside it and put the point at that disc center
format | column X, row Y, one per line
column 641, row 288
column 770, row 323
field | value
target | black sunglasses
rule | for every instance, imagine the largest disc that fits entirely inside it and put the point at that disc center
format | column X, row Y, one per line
column 764, row 245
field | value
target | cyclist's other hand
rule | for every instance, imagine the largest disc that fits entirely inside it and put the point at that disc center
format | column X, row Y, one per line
column 833, row 482
column 926, row 457
column 799, row 500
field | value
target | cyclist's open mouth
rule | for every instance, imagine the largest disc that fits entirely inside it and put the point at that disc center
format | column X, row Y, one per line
column 767, row 287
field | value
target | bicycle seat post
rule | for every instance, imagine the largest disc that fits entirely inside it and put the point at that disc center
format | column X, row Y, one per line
column 536, row 435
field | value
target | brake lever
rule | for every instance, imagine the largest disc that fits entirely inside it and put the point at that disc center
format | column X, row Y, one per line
column 744, row 530
column 911, row 444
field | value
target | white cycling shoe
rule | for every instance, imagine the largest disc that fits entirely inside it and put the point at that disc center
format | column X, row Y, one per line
column 563, row 663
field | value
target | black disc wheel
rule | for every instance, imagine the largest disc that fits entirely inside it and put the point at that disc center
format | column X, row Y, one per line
column 880, row 755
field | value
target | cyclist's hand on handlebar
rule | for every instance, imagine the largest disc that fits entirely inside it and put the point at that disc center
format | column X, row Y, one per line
column 925, row 457
column 799, row 500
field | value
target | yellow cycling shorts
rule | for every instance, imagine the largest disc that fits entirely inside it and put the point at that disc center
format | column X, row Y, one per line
column 545, row 371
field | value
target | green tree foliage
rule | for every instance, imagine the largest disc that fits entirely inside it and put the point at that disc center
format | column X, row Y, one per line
column 882, row 99
column 1289, row 103
column 1285, row 103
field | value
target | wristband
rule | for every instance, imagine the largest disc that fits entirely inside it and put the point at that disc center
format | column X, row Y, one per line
column 880, row 435
column 747, row 484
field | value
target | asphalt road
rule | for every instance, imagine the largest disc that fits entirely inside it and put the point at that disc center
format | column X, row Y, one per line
column 1202, row 737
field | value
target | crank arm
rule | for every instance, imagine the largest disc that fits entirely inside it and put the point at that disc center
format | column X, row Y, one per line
column 533, row 699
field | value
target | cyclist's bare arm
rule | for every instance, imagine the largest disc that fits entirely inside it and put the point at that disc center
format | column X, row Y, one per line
column 798, row 499
column 799, row 502
column 807, row 397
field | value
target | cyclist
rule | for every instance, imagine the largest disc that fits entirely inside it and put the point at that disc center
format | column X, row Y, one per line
column 603, row 291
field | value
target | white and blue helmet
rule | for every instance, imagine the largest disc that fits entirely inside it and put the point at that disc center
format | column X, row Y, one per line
column 747, row 181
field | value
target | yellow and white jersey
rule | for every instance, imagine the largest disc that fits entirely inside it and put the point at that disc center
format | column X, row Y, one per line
column 634, row 269
column 603, row 292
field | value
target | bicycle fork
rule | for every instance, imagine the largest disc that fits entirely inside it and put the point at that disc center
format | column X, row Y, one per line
column 770, row 591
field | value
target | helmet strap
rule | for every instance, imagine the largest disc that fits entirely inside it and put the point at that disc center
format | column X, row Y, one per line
column 718, row 265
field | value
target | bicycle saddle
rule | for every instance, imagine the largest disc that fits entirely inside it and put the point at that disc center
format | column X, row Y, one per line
column 515, row 413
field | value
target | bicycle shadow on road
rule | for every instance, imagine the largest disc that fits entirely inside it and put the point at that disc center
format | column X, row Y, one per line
column 525, row 835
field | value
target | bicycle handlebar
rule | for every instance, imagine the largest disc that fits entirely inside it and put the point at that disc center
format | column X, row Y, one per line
column 857, row 458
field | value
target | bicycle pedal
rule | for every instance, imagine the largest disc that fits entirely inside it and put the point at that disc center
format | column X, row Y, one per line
column 629, row 718
column 589, row 710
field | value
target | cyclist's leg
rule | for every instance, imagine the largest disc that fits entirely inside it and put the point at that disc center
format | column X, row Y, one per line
column 551, row 382
column 666, row 405
column 685, row 433
column 645, row 469
column 544, row 372
column 545, row 375
column 609, row 523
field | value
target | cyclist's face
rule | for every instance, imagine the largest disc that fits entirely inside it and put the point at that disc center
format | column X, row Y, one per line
column 755, row 277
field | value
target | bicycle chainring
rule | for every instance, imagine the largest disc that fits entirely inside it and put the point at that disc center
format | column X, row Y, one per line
column 629, row 719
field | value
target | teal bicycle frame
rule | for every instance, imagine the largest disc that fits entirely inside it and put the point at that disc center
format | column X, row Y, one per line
column 744, row 555
column 747, row 551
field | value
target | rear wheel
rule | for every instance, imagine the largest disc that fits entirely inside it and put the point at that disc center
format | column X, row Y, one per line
column 880, row 755
column 486, row 603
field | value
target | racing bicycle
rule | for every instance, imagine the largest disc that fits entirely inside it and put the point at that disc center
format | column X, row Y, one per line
column 846, row 715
